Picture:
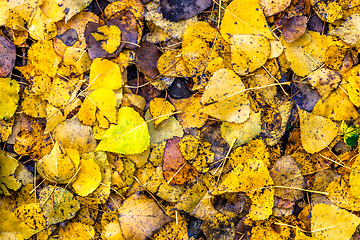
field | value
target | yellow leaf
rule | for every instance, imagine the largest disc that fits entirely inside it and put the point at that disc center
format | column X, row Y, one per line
column 165, row 130
column 79, row 58
column 88, row 178
column 353, row 87
column 102, row 102
column 337, row 106
column 201, row 45
column 41, row 27
column 349, row 30
column 248, row 52
column 60, row 92
column 105, row 74
column 252, row 177
column 224, row 97
column 52, row 10
column 171, row 64
column 44, row 58
column 244, row 17
column 329, row 11
column 109, row 37
column 355, row 178
column 173, row 230
column 242, row 132
column 70, row 8
column 307, row 53
column 59, row 166
column 161, row 110
column 77, row 231
column 112, row 231
column 9, row 97
column 325, row 81
column 32, row 215
column 129, row 136
column 33, row 106
column 316, row 131
column 9, row 223
column 340, row 194
column 341, row 224
column 62, row 206
column 141, row 216
column 8, row 166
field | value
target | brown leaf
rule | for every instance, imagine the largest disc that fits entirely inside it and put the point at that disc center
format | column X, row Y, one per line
column 176, row 169
column 293, row 28
column 7, row 56
column 183, row 9
column 146, row 58
column 147, row 91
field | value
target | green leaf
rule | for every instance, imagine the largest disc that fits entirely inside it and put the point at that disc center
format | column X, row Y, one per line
column 351, row 134
column 129, row 136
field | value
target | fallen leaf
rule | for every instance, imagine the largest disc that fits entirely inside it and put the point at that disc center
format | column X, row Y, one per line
column 73, row 135
column 129, row 136
column 71, row 8
column 325, row 81
column 353, row 86
column 160, row 110
column 60, row 165
column 10, row 224
column 146, row 58
column 316, row 131
column 225, row 99
column 329, row 11
column 109, row 37
column 340, row 194
column 294, row 27
column 8, row 166
column 248, row 52
column 9, row 97
column 140, row 217
column 8, row 55
column 41, row 27
column 173, row 230
column 285, row 172
column 88, row 178
column 105, row 74
column 273, row 7
column 61, row 206
column 183, row 9
column 342, row 226
column 32, row 215
column 77, row 231
column 171, row 64
column 348, row 31
column 244, row 18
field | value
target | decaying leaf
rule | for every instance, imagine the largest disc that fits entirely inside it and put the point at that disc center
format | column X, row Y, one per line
column 58, row 204
column 13, row 228
column 273, row 7
column 325, row 81
column 8, row 167
column 349, row 30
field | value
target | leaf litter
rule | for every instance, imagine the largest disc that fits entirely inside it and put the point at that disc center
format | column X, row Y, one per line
column 96, row 138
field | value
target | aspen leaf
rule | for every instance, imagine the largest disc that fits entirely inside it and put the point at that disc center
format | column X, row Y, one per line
column 140, row 217
column 244, row 17
column 70, row 8
column 41, row 27
column 337, row 107
column 173, row 230
column 63, row 205
column 105, row 74
column 109, row 37
column 88, row 178
column 8, row 166
column 73, row 135
column 325, row 81
column 77, row 231
column 316, row 131
column 161, row 110
column 9, row 223
column 354, row 178
column 129, row 136
column 224, row 97
column 248, row 52
column 341, row 224
column 34, row 106
column 52, row 10
column 172, row 64
column 32, row 215
column 341, row 195
column 60, row 165
column 352, row 78
column 349, row 30
column 79, row 58
column 271, row 7
column 9, row 97
column 102, row 101
column 351, row 134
